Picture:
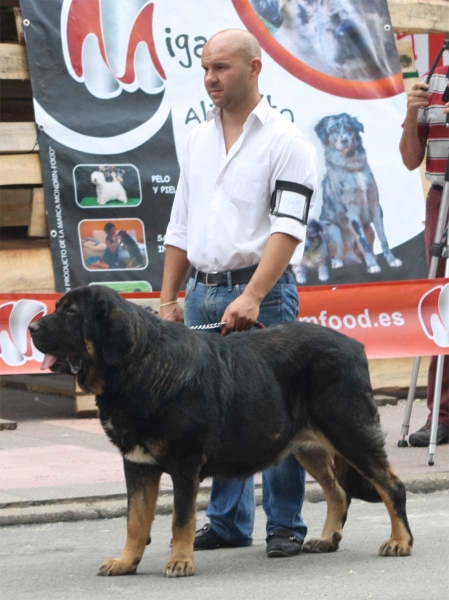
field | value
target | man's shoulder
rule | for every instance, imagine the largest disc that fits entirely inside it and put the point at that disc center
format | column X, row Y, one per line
column 287, row 134
column 282, row 125
column 200, row 133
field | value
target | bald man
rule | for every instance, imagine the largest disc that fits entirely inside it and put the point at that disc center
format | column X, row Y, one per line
column 240, row 210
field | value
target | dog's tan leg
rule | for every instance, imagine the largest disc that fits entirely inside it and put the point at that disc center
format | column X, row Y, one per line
column 181, row 563
column 143, row 485
column 392, row 491
column 318, row 462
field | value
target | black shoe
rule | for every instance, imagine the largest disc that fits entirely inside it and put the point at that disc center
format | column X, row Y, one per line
column 282, row 542
column 207, row 539
column 422, row 436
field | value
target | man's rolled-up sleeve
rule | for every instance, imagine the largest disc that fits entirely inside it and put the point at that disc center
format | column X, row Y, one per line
column 296, row 163
column 176, row 234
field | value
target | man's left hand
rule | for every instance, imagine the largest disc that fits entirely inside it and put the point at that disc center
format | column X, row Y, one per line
column 240, row 315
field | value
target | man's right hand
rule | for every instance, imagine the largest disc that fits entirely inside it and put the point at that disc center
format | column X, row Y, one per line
column 418, row 97
column 172, row 312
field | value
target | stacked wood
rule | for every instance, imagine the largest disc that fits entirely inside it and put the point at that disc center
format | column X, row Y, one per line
column 24, row 247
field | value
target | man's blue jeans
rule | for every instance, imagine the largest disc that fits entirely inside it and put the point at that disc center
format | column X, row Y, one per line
column 232, row 502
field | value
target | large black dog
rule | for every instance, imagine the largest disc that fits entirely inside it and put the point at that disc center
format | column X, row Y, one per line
column 196, row 405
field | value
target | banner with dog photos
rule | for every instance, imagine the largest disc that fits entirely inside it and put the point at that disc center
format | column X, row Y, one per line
column 118, row 87
column 392, row 320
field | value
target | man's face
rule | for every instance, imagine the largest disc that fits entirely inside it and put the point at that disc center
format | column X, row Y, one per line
column 226, row 75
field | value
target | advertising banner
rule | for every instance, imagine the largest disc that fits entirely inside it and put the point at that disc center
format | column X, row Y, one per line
column 391, row 320
column 118, row 87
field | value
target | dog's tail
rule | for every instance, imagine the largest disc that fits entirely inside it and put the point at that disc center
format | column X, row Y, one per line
column 354, row 484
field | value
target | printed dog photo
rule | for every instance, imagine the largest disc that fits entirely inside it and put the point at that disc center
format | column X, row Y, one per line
column 108, row 186
column 113, row 245
column 316, row 255
column 351, row 206
column 127, row 242
column 342, row 38
column 126, row 287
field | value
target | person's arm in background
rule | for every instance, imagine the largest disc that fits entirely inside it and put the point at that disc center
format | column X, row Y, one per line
column 296, row 163
column 412, row 145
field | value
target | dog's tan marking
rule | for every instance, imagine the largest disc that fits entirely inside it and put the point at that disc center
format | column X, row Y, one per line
column 181, row 563
column 141, row 512
column 400, row 543
column 90, row 383
column 319, row 462
column 90, row 349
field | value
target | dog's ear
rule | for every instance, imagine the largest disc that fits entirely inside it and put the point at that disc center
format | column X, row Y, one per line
column 321, row 129
column 357, row 124
column 117, row 339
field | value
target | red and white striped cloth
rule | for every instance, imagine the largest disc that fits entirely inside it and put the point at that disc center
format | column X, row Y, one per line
column 432, row 125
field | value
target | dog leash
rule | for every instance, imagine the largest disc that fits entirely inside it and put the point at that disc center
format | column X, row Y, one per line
column 219, row 325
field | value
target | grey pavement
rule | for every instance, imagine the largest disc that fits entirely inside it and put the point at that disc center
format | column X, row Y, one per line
column 57, row 467
column 59, row 561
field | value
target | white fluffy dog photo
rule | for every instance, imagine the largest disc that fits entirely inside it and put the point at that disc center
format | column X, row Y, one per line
column 108, row 190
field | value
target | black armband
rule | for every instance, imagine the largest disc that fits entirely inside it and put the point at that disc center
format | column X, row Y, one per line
column 291, row 200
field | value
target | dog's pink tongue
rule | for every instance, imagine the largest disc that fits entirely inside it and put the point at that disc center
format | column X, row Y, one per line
column 48, row 361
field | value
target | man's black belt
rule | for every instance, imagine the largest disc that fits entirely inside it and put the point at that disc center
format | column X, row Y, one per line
column 437, row 187
column 237, row 277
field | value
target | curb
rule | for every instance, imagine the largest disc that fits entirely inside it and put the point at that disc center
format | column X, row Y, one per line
column 115, row 507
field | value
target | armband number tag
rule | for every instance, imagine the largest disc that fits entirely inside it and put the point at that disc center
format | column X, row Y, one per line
column 291, row 200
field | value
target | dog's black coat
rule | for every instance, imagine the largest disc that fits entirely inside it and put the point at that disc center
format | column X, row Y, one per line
column 197, row 405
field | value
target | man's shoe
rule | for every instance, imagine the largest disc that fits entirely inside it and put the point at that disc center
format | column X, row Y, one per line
column 282, row 542
column 422, row 436
column 207, row 539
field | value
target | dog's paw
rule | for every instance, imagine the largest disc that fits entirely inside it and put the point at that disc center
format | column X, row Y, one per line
column 179, row 567
column 336, row 263
column 394, row 547
column 323, row 276
column 117, row 566
column 373, row 269
column 322, row 545
column 394, row 262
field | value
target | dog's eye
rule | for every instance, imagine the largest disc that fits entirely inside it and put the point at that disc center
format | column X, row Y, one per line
column 70, row 311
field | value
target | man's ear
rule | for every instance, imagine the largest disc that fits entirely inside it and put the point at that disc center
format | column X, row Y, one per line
column 117, row 332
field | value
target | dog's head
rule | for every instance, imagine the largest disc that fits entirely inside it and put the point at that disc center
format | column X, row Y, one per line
column 340, row 37
column 91, row 328
column 314, row 235
column 123, row 239
column 342, row 132
column 97, row 177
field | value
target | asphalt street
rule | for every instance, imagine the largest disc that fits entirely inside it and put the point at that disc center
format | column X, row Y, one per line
column 58, row 561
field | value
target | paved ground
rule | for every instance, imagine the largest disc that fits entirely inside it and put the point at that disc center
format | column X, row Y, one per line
column 53, row 458
column 59, row 561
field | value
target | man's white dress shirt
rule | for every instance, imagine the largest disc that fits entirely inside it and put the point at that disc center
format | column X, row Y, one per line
column 221, row 211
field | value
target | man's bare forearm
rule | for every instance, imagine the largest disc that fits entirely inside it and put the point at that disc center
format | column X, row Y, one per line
column 274, row 261
column 176, row 268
